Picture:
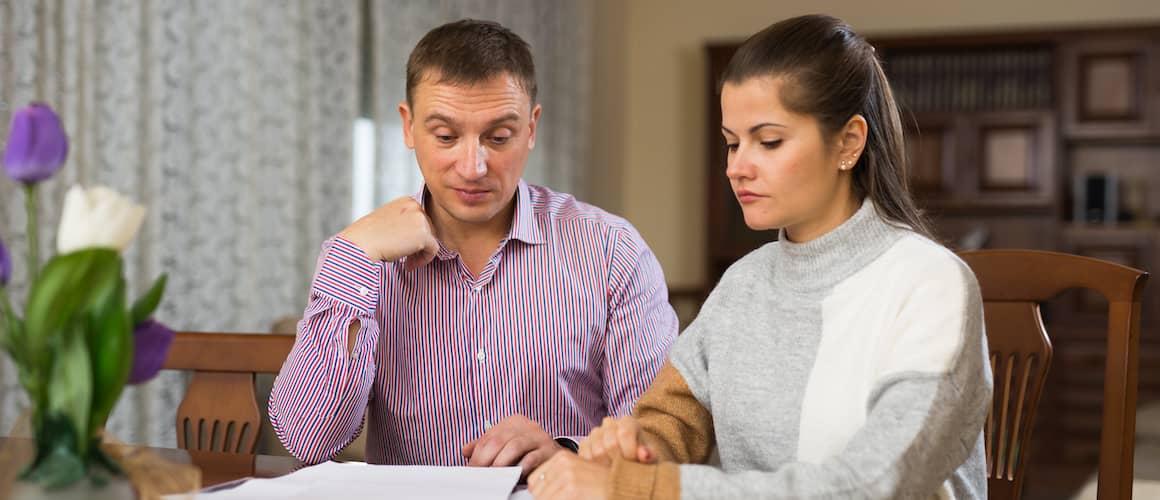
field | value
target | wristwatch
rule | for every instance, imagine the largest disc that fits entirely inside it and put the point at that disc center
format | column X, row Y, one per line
column 568, row 443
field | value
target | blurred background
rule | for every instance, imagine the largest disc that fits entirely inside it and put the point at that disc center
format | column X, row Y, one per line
column 255, row 129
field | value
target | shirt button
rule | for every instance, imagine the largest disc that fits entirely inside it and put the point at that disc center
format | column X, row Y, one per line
column 364, row 291
column 486, row 424
column 476, row 289
column 480, row 356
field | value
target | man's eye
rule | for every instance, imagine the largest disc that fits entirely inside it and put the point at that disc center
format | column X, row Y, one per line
column 499, row 140
column 446, row 139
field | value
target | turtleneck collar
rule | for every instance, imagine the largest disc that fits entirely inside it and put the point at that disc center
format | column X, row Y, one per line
column 825, row 261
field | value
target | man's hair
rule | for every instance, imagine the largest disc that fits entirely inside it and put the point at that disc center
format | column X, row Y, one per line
column 469, row 52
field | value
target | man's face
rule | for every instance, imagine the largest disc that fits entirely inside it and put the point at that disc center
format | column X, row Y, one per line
column 471, row 142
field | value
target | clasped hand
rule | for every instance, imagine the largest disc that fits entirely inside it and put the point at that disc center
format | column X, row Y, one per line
column 568, row 476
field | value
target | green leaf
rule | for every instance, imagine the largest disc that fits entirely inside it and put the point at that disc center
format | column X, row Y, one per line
column 70, row 387
column 110, row 340
column 146, row 304
column 13, row 343
column 56, row 296
column 62, row 291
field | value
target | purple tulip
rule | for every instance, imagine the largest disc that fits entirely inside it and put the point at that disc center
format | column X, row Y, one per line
column 37, row 145
column 5, row 265
column 151, row 345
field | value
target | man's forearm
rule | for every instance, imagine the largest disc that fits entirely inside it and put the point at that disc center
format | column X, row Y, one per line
column 320, row 396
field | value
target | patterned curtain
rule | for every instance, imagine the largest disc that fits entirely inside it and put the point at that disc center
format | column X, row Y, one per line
column 560, row 34
column 231, row 120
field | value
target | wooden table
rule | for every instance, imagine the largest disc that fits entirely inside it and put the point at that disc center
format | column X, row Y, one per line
column 216, row 468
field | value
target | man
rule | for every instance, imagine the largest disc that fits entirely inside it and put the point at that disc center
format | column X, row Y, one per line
column 482, row 318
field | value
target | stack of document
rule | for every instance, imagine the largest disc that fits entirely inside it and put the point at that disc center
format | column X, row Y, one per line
column 356, row 481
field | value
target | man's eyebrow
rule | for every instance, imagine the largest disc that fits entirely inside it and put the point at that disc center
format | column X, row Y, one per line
column 510, row 117
column 437, row 116
column 440, row 117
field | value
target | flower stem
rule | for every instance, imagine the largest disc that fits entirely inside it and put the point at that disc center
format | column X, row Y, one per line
column 5, row 314
column 33, row 238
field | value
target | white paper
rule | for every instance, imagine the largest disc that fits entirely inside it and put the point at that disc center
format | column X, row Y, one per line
column 357, row 480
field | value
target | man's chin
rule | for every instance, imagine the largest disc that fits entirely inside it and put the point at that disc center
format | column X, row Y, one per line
column 474, row 214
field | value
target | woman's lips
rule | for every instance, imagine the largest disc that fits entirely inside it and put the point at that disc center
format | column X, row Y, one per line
column 746, row 196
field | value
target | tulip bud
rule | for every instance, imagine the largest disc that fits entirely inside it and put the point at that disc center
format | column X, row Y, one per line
column 97, row 217
column 37, row 145
column 150, row 347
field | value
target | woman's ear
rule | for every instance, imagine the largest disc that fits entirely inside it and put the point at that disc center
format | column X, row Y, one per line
column 851, row 142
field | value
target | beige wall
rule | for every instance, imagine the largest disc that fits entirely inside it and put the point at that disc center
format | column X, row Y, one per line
column 649, row 89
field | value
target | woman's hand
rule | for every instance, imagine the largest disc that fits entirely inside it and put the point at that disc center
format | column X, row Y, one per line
column 566, row 476
column 616, row 437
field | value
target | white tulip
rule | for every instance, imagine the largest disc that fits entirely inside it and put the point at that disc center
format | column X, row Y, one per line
column 97, row 217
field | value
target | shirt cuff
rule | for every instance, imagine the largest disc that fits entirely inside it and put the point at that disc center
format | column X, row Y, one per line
column 348, row 276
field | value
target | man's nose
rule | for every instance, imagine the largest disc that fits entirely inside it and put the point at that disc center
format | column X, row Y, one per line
column 472, row 162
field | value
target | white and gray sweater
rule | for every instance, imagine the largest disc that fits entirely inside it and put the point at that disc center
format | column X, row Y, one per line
column 849, row 367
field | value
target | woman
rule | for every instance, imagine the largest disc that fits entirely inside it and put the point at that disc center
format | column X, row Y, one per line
column 845, row 360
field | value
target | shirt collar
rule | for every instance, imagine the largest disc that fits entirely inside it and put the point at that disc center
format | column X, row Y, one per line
column 524, row 227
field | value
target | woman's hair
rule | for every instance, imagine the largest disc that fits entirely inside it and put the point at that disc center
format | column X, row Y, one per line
column 832, row 74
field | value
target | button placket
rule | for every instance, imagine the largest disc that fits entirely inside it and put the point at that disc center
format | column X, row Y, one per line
column 477, row 338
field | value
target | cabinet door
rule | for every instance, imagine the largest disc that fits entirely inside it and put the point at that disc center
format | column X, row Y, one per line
column 983, row 160
column 931, row 151
column 1011, row 161
column 1111, row 87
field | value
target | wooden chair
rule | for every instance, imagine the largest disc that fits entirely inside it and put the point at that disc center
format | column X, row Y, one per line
column 1013, row 284
column 219, row 411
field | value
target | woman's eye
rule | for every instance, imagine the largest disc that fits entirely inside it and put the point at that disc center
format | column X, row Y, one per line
column 771, row 144
column 732, row 148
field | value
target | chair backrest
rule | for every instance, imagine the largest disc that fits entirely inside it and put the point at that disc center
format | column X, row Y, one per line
column 219, row 411
column 1013, row 284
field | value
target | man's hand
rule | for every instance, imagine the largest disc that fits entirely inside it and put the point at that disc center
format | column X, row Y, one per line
column 616, row 437
column 515, row 440
column 393, row 231
column 568, row 477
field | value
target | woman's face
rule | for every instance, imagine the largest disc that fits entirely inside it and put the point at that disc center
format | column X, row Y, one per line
column 784, row 172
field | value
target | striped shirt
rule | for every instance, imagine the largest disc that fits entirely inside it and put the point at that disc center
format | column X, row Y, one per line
column 568, row 323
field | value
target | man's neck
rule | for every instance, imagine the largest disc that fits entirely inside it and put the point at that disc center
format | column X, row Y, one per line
column 473, row 238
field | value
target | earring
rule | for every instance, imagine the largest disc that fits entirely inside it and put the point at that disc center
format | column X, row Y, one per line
column 844, row 165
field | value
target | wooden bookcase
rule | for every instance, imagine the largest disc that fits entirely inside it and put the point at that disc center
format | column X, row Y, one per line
column 1047, row 140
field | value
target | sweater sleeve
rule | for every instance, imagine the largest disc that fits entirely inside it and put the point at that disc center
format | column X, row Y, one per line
column 925, row 413
column 676, row 427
